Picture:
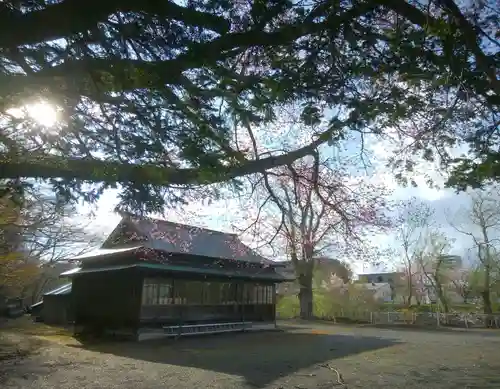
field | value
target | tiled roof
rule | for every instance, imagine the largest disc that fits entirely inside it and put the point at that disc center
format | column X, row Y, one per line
column 180, row 238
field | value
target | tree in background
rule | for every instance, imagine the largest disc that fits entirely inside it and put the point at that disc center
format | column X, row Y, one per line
column 480, row 221
column 45, row 231
column 330, row 273
column 16, row 270
column 437, row 266
column 413, row 219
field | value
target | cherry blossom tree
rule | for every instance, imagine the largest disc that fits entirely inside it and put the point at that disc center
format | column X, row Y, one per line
column 462, row 280
column 313, row 208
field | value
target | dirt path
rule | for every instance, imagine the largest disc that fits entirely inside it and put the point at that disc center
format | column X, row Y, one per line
column 366, row 357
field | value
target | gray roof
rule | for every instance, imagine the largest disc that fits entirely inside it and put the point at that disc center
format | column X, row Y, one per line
column 181, row 238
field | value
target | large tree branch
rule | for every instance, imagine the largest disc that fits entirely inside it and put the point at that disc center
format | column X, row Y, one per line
column 135, row 74
column 73, row 16
column 472, row 39
column 46, row 166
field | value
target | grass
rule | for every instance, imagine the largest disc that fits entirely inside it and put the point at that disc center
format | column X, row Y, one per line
column 25, row 328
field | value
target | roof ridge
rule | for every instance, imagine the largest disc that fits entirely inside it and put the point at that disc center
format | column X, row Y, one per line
column 188, row 226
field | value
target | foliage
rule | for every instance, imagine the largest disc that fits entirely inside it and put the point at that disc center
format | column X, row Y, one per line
column 288, row 307
column 16, row 270
column 330, row 273
column 331, row 303
column 149, row 93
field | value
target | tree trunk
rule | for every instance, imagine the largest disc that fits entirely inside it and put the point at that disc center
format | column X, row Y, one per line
column 410, row 286
column 486, row 295
column 306, row 295
column 487, row 309
column 306, row 302
column 443, row 300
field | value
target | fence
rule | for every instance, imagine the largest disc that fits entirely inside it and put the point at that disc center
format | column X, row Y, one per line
column 433, row 319
column 417, row 319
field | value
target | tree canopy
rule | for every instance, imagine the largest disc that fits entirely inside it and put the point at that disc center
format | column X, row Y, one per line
column 149, row 93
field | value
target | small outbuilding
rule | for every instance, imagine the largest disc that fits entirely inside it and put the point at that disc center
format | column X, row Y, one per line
column 56, row 307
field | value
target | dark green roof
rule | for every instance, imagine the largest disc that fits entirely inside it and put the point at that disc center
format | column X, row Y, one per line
column 230, row 273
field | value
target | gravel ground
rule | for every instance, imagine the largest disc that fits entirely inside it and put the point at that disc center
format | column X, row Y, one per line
column 295, row 358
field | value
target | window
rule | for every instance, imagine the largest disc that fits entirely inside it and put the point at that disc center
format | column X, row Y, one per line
column 229, row 296
column 157, row 292
column 255, row 294
column 180, row 292
column 149, row 293
column 211, row 293
column 269, row 293
column 240, row 295
column 263, row 294
column 165, row 294
column 194, row 292
column 248, row 292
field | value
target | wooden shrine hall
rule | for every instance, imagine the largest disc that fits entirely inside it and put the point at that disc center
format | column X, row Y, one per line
column 153, row 278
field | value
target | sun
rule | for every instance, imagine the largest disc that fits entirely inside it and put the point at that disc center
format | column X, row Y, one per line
column 43, row 113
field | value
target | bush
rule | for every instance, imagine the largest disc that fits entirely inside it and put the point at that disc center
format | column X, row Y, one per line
column 287, row 307
column 330, row 304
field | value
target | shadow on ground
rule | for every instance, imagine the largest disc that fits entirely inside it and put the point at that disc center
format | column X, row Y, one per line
column 258, row 357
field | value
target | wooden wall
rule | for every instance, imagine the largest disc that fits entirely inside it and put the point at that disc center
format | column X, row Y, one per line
column 57, row 309
column 108, row 300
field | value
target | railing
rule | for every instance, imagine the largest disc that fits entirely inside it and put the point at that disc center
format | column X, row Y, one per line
column 433, row 319
column 194, row 329
column 417, row 319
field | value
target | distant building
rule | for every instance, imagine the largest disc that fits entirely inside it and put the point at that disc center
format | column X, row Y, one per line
column 389, row 278
column 384, row 285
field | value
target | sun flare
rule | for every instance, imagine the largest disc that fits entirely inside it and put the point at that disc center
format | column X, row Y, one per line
column 42, row 113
